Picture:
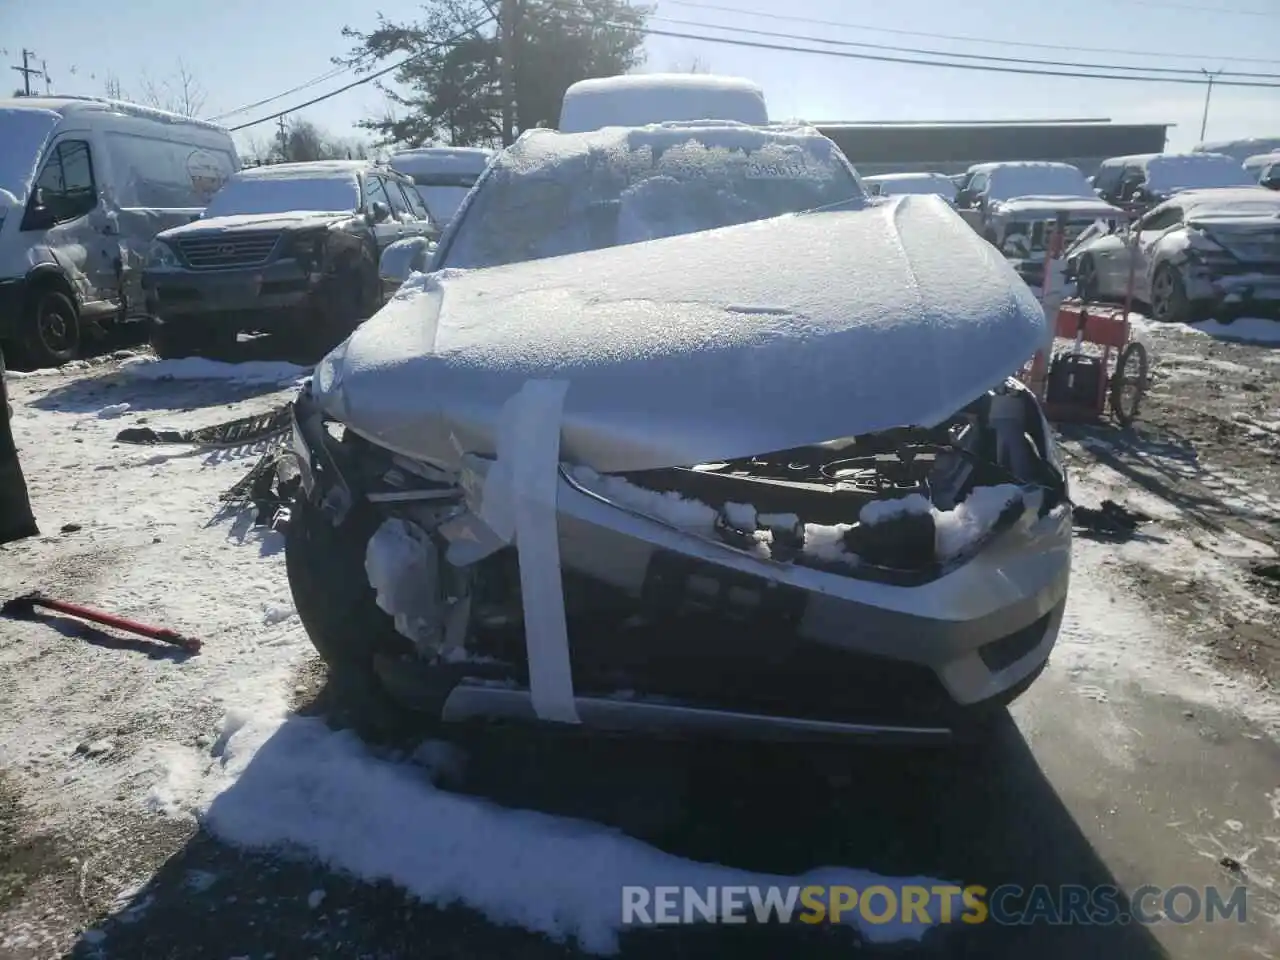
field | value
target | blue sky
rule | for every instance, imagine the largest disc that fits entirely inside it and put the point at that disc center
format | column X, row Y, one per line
column 244, row 50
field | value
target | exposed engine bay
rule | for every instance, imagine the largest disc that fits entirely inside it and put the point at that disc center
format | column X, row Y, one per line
column 871, row 507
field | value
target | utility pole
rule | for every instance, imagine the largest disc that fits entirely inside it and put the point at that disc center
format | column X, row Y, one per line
column 1204, row 121
column 284, row 140
column 48, row 83
column 507, row 49
column 27, row 71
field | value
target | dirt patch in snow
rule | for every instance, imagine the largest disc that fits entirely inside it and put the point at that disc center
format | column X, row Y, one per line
column 1203, row 460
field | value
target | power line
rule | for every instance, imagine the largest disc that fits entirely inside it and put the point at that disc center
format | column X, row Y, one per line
column 368, row 79
column 985, row 68
column 306, row 84
column 964, row 56
column 1150, row 76
column 1234, row 11
column 1073, row 48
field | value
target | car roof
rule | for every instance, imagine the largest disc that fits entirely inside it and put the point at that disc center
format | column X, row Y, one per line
column 70, row 106
column 318, row 169
column 1021, row 164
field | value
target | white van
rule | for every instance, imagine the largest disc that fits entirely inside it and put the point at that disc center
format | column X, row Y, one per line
column 85, row 184
column 636, row 100
column 443, row 175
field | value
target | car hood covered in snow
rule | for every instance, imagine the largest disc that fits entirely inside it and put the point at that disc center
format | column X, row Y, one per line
column 257, row 221
column 707, row 346
column 1050, row 205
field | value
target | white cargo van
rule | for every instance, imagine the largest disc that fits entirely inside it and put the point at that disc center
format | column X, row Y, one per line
column 443, row 175
column 85, row 184
column 636, row 100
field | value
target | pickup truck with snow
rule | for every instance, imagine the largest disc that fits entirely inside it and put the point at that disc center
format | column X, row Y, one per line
column 291, row 249
column 1017, row 205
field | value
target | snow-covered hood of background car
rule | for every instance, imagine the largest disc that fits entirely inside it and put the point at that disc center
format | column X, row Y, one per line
column 707, row 346
column 256, row 221
column 1049, row 206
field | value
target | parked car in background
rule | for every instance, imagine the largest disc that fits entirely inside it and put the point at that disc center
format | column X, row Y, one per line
column 1270, row 176
column 901, row 583
column 637, row 99
column 85, row 184
column 1240, row 150
column 442, row 175
column 291, row 248
column 1256, row 165
column 1204, row 253
column 896, row 184
column 1139, row 182
column 1017, row 206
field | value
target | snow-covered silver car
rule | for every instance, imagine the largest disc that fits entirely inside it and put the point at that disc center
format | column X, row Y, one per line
column 1204, row 253
column 649, row 450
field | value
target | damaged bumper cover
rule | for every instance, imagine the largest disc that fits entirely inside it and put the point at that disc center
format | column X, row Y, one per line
column 785, row 650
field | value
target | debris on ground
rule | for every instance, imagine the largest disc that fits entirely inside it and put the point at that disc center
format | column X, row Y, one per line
column 233, row 433
column 1111, row 519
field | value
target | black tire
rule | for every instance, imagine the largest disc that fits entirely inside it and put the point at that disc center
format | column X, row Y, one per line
column 338, row 609
column 1169, row 303
column 350, row 297
column 50, row 329
column 173, row 341
column 1087, row 279
column 1131, row 371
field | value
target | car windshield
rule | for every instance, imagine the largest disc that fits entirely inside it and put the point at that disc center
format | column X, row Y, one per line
column 554, row 194
column 279, row 194
column 443, row 192
column 1171, row 174
column 1008, row 183
column 22, row 138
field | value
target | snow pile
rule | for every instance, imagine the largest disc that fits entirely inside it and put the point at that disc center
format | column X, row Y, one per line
column 667, row 507
column 956, row 530
column 297, row 783
column 198, row 368
column 881, row 510
column 972, row 519
column 1245, row 329
column 638, row 99
column 400, row 560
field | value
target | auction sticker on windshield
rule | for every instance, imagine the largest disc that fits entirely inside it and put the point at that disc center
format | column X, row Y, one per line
column 777, row 170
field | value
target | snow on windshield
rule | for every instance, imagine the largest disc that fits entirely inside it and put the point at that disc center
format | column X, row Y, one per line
column 23, row 134
column 1038, row 180
column 328, row 194
column 553, row 194
column 1246, row 202
column 1169, row 174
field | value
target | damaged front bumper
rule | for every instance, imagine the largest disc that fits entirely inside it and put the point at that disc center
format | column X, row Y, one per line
column 727, row 639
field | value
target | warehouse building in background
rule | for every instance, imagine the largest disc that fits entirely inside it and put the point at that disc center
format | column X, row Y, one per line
column 875, row 148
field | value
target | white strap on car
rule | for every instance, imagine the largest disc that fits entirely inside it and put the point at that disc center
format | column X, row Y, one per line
column 519, row 503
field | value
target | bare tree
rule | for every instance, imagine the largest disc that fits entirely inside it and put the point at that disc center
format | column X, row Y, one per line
column 180, row 92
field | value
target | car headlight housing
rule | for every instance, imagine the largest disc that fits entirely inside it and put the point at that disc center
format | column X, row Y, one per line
column 160, row 254
column 308, row 248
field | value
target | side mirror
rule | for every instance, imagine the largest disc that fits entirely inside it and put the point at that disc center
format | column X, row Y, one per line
column 1271, row 183
column 379, row 212
column 38, row 215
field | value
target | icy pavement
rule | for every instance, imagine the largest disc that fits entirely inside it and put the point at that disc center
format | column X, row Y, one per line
column 1139, row 760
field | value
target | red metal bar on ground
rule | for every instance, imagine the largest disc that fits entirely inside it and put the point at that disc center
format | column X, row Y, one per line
column 28, row 603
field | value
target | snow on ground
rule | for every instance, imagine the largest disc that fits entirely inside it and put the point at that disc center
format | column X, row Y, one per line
column 1109, row 636
column 210, row 736
column 1260, row 330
